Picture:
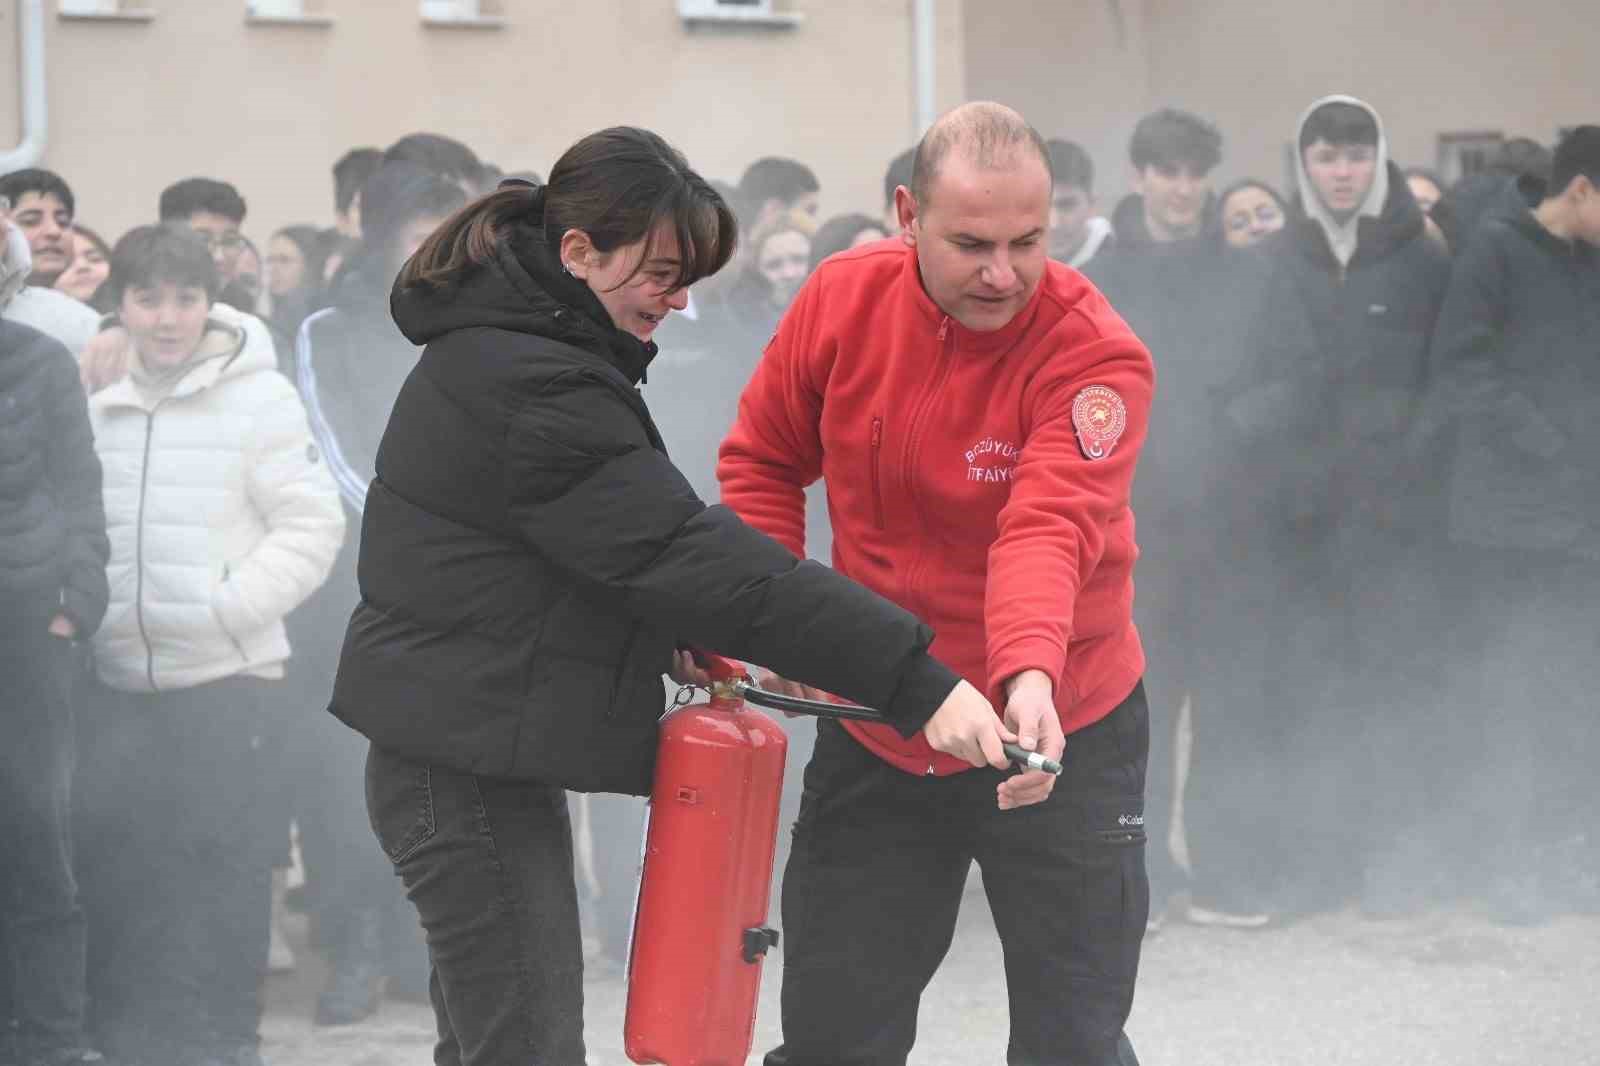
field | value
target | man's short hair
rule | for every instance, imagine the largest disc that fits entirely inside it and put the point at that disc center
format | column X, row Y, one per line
column 990, row 134
column 351, row 172
column 44, row 182
column 1578, row 155
column 899, row 173
column 1071, row 164
column 166, row 254
column 180, row 201
column 775, row 178
column 1169, row 138
column 444, row 156
column 1522, row 157
column 1337, row 122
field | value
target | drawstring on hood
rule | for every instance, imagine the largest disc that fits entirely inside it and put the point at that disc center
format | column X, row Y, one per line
column 1099, row 232
column 1342, row 236
column 16, row 263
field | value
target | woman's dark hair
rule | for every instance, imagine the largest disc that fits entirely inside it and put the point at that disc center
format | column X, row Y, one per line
column 1338, row 122
column 170, row 253
column 313, row 247
column 617, row 186
column 94, row 238
column 839, row 234
column 1250, row 183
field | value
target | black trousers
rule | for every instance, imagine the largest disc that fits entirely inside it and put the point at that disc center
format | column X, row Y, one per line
column 176, row 862
column 877, row 873
column 43, row 921
column 488, row 865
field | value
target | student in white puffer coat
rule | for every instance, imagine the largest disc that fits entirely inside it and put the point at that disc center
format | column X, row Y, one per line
column 223, row 517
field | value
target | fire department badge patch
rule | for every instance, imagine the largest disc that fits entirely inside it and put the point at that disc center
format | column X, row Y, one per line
column 1099, row 416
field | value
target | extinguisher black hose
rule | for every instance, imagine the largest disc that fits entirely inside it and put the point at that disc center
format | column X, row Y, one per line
column 817, row 708
column 1027, row 760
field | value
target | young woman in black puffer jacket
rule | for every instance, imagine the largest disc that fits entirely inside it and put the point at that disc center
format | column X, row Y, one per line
column 532, row 563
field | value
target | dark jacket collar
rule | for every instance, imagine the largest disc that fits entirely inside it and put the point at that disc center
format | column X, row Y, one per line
column 524, row 290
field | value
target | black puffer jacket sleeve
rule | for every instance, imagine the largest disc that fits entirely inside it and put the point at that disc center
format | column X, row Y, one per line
column 74, row 474
column 590, row 492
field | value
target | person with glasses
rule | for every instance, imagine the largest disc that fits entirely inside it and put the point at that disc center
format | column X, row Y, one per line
column 216, row 211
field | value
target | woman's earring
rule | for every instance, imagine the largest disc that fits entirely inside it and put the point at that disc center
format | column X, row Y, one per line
column 567, row 267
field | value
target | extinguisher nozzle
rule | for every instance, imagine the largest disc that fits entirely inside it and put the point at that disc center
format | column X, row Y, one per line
column 1031, row 760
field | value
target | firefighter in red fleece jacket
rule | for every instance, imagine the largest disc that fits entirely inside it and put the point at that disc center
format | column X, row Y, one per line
column 976, row 412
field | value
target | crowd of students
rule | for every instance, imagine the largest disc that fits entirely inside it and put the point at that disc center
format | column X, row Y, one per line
column 1368, row 516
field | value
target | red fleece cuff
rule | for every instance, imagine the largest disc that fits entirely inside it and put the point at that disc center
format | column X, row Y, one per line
column 1029, row 653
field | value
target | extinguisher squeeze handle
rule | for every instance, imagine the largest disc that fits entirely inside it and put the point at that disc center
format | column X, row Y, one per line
column 722, row 669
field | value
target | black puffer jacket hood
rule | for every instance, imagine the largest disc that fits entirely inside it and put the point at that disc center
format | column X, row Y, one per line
column 523, row 290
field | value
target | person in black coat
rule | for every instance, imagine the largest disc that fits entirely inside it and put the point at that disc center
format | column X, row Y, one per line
column 1516, row 348
column 53, row 594
column 1188, row 297
column 350, row 362
column 532, row 564
column 1322, row 415
column 1491, row 192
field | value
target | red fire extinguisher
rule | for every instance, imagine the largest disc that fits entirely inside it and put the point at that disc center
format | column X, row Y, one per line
column 700, row 923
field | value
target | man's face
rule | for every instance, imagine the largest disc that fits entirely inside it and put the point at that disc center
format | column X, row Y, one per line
column 1341, row 174
column 1174, row 200
column 222, row 235
column 980, row 237
column 44, row 220
column 1586, row 210
column 1071, row 207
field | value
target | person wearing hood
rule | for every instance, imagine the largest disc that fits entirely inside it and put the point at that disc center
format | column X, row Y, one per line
column 1077, row 234
column 1188, row 300
column 53, row 553
column 532, row 563
column 223, row 517
column 1515, row 347
column 1324, row 414
column 40, row 307
column 350, row 361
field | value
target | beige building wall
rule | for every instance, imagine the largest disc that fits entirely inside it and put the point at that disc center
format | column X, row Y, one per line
column 198, row 91
column 1077, row 69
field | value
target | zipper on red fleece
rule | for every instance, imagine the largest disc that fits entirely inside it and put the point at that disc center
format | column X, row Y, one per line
column 877, row 470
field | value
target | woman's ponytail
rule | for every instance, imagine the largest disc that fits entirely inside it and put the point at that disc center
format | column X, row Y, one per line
column 467, row 240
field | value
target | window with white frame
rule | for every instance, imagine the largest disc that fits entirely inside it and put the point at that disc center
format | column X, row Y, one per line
column 92, row 8
column 463, row 12
column 748, row 12
column 276, row 9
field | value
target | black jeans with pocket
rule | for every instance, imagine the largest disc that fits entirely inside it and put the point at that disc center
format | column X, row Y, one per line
column 488, row 865
column 876, row 877
column 42, row 947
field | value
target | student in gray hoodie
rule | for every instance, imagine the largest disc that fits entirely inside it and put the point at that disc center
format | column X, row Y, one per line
column 1324, row 407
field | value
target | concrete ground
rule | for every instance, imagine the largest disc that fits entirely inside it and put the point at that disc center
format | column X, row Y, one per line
column 1447, row 989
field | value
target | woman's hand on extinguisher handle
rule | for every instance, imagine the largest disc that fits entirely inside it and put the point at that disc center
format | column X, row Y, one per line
column 966, row 726
column 686, row 672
